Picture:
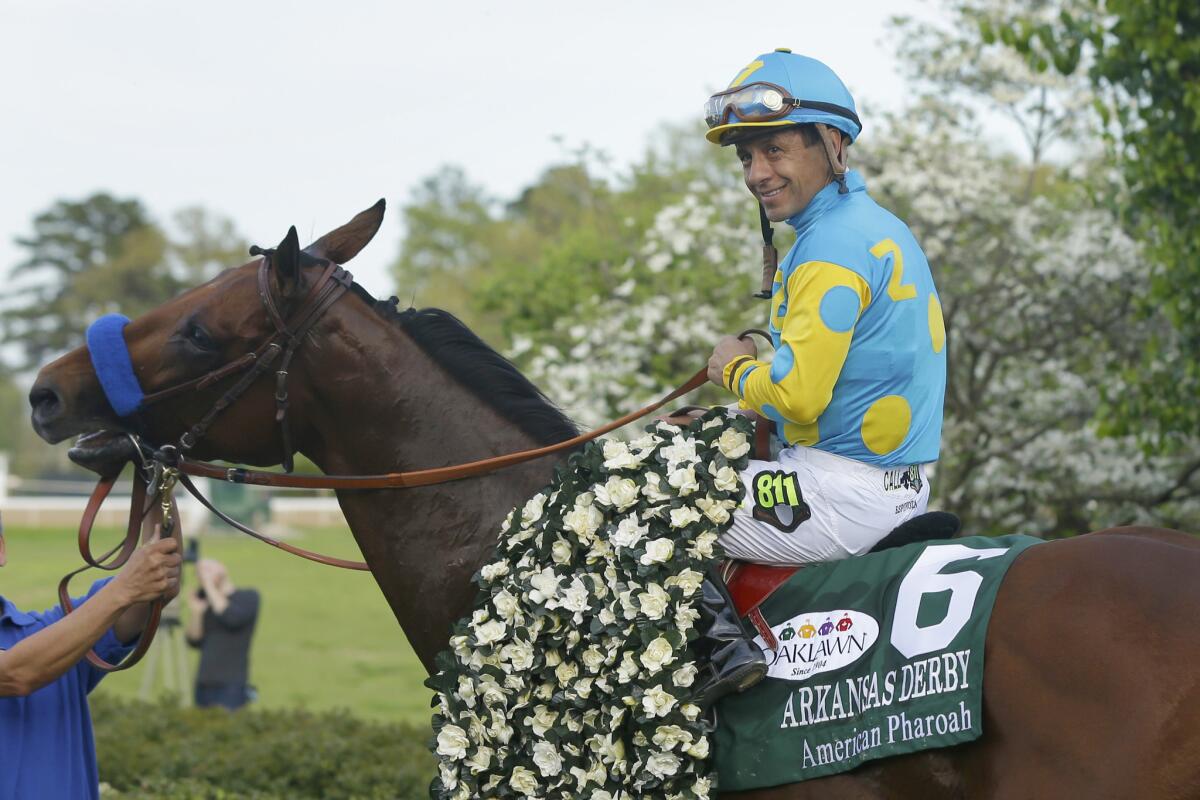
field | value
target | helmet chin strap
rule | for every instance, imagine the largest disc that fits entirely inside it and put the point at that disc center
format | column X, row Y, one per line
column 836, row 165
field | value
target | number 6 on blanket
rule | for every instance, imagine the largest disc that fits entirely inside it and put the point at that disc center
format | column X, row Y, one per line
column 924, row 578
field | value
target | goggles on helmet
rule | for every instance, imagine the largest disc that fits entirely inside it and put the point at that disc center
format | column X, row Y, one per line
column 763, row 102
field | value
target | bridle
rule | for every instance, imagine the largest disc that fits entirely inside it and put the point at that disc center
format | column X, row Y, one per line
column 166, row 467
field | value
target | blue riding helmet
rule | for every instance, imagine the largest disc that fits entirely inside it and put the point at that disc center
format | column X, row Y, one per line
column 781, row 88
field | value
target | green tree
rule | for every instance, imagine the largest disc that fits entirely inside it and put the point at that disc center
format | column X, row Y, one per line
column 1143, row 57
column 84, row 258
column 206, row 244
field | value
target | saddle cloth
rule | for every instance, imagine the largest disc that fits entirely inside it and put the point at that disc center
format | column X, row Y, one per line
column 873, row 656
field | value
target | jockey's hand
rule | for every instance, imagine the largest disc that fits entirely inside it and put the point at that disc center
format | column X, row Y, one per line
column 728, row 348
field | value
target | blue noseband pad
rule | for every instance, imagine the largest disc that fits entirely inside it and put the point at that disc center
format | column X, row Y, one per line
column 110, row 358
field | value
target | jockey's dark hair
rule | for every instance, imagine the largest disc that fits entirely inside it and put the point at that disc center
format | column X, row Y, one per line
column 807, row 130
column 478, row 368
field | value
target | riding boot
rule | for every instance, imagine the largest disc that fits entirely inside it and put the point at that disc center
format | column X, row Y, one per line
column 735, row 662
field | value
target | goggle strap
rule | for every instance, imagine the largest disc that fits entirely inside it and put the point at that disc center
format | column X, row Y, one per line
column 770, row 255
column 836, row 166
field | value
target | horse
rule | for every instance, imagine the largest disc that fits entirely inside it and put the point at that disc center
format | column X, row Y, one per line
column 1090, row 684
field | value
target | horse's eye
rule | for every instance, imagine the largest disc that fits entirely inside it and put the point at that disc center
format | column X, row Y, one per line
column 199, row 337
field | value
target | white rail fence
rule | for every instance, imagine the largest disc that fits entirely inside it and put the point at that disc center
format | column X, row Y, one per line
column 34, row 503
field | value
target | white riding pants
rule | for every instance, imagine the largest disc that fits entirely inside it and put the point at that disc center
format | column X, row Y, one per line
column 810, row 505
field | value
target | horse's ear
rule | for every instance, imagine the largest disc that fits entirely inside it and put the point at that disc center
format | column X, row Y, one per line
column 285, row 262
column 343, row 244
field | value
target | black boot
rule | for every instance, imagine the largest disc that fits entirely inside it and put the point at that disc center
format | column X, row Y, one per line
column 735, row 662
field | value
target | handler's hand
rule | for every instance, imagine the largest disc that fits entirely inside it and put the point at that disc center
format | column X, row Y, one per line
column 151, row 572
column 728, row 348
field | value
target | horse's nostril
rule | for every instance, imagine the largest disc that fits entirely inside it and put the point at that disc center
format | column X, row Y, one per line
column 46, row 403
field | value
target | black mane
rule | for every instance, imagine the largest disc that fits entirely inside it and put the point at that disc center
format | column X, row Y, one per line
column 477, row 367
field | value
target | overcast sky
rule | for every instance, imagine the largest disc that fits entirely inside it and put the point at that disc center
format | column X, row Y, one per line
column 278, row 113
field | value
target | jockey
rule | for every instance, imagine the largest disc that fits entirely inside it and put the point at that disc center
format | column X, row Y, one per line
column 856, row 384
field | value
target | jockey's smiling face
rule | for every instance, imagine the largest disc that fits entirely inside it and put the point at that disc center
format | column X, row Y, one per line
column 784, row 170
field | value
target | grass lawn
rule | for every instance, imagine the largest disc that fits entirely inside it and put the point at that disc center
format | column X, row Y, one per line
column 326, row 637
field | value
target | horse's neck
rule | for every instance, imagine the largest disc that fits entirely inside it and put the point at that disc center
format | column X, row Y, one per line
column 422, row 544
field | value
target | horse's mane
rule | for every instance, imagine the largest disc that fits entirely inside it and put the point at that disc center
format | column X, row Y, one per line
column 477, row 367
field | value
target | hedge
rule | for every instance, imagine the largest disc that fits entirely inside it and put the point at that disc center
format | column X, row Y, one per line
column 159, row 751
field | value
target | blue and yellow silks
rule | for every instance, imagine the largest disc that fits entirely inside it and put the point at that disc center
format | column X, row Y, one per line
column 860, row 344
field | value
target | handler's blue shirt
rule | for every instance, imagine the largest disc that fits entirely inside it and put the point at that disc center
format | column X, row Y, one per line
column 46, row 747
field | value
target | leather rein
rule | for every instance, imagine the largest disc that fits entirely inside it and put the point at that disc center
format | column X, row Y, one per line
column 164, row 468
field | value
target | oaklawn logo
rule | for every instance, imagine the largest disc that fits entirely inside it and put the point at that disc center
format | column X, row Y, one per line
column 812, row 643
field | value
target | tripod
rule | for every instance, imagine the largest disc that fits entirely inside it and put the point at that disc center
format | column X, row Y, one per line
column 168, row 655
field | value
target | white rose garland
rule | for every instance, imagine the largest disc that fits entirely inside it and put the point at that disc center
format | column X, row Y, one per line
column 574, row 675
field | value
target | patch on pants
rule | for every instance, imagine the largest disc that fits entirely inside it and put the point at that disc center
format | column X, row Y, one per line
column 778, row 500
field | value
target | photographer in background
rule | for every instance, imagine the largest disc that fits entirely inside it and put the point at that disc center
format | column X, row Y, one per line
column 221, row 625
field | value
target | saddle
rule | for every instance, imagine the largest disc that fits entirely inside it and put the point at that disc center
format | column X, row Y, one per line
column 751, row 584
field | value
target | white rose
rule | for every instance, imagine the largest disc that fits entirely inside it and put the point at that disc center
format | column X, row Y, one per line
column 565, row 672
column 656, row 654
column 560, row 551
column 490, row 632
column 713, row 509
column 684, row 676
column 584, row 521
column 519, row 654
column 466, row 689
column 490, row 572
column 725, row 479
column 690, row 711
column 663, row 765
column 480, row 760
column 702, row 547
column 698, row 748
column 575, row 598
column 680, row 450
column 702, row 787
column 652, row 489
column 592, row 659
column 629, row 608
column 618, row 457
column 658, row 703
column 667, row 736
column 688, row 581
column 607, row 617
column 599, row 551
column 547, row 759
column 532, row 511
column 659, row 550
column 647, row 441
column 628, row 532
column 449, row 775
column 653, row 602
column 685, row 618
column 627, row 670
column 684, row 480
column 523, row 781
column 545, row 583
column 507, row 605
column 733, row 444
column 682, row 517
column 493, row 695
column 620, row 493
column 543, row 719
column 452, row 742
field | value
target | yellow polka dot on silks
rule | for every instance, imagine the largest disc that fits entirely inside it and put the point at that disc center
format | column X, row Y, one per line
column 937, row 325
column 886, row 423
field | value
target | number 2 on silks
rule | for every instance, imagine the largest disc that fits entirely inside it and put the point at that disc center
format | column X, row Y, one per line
column 778, row 500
